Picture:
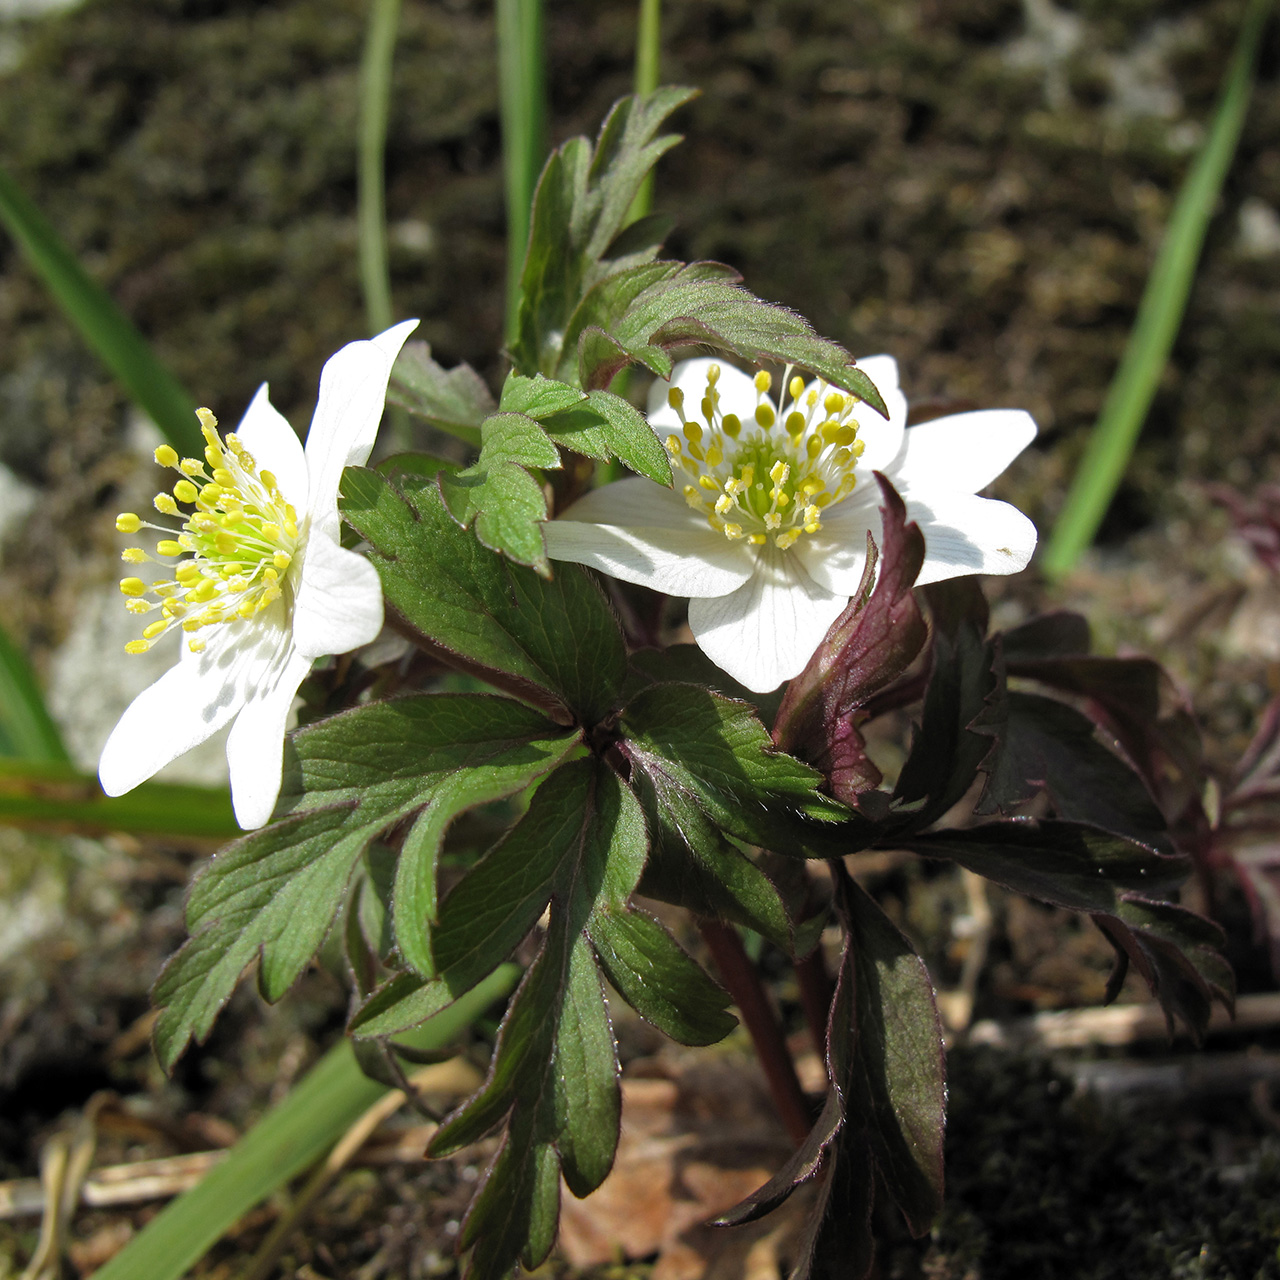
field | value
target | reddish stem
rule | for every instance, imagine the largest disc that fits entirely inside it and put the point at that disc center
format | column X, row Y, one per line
column 743, row 983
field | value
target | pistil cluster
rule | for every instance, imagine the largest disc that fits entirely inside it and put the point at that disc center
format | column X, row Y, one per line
column 231, row 557
column 772, row 477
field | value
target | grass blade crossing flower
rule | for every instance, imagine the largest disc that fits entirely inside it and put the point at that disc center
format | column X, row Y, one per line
column 255, row 581
column 766, row 530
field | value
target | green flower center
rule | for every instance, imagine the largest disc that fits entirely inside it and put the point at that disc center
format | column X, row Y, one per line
column 774, row 476
column 230, row 559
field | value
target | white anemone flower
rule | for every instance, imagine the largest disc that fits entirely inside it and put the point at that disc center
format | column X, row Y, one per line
column 255, row 581
column 766, row 528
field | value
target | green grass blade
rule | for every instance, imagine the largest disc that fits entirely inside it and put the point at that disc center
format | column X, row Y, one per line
column 522, row 86
column 1159, row 313
column 101, row 323
column 46, row 793
column 375, row 107
column 287, row 1140
column 648, row 54
column 26, row 728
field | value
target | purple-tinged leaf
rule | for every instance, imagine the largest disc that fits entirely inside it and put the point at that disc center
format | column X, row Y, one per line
column 872, row 643
column 1060, row 634
column 1050, row 747
column 1120, row 883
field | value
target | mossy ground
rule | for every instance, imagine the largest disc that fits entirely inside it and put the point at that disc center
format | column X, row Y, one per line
column 977, row 186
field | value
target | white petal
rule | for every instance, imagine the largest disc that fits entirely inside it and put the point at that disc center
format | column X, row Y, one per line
column 636, row 502
column 964, row 452
column 766, row 631
column 255, row 746
column 679, row 562
column 353, row 390
column 339, row 602
column 187, row 705
column 737, row 393
column 275, row 447
column 881, row 440
column 966, row 534
column 836, row 556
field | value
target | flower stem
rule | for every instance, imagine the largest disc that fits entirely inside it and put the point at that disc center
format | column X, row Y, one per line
column 743, row 983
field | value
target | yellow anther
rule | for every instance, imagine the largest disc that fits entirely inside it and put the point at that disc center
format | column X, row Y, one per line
column 290, row 526
column 858, row 448
column 811, row 513
column 225, row 543
column 713, row 374
column 693, row 432
column 174, row 608
column 708, row 410
column 154, row 629
column 673, row 445
column 834, row 403
column 773, row 521
column 247, row 609
column 127, row 522
column 162, row 589
column 231, row 568
column 733, row 532
column 823, row 500
column 134, row 555
column 757, row 539
column 268, row 478
column 224, row 477
column 208, row 423
column 812, row 486
column 779, row 472
column 715, row 454
column 813, row 446
column 237, row 584
column 811, row 397
column 731, row 425
column 845, row 435
column 763, row 382
column 164, row 503
column 213, row 456
column 691, row 496
column 786, row 539
column 185, row 491
column 211, row 495
column 794, row 424
column 675, row 398
column 708, row 484
column 137, row 646
column 695, row 451
column 723, row 503
column 765, row 415
column 270, row 575
column 796, row 387
column 748, row 475
column 271, row 532
column 842, row 457
column 196, row 646
column 133, row 586
column 231, row 517
column 282, row 560
column 138, row 606
column 205, row 590
column 812, row 526
column 168, row 547
column 191, row 466
column 166, row 455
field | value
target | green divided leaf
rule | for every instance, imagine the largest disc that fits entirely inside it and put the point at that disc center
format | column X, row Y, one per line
column 688, row 739
column 643, row 313
column 273, row 895
column 580, row 207
column 454, row 400
column 555, row 644
column 597, row 424
column 659, row 979
column 499, row 495
column 554, row 1074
